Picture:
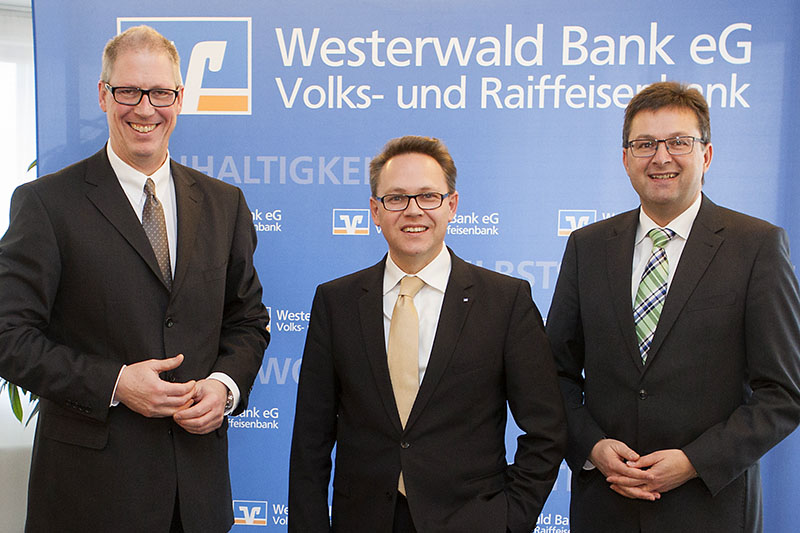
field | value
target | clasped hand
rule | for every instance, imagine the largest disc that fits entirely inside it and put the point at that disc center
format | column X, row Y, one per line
column 641, row 477
column 196, row 406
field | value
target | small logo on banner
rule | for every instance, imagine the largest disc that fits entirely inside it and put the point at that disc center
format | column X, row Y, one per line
column 571, row 219
column 351, row 221
column 249, row 513
column 269, row 316
column 216, row 55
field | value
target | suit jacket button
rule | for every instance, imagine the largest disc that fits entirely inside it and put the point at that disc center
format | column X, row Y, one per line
column 169, row 322
column 405, row 445
column 642, row 394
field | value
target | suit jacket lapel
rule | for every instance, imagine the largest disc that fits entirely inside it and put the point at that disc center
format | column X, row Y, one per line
column 458, row 300
column 370, row 313
column 189, row 200
column 701, row 247
column 619, row 266
column 105, row 192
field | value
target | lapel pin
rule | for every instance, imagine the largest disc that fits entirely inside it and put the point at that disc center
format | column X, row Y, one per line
column 466, row 298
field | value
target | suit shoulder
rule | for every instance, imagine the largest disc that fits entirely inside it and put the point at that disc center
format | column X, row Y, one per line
column 490, row 276
column 59, row 179
column 205, row 181
column 741, row 222
column 607, row 226
column 502, row 286
column 500, row 292
column 62, row 189
column 348, row 282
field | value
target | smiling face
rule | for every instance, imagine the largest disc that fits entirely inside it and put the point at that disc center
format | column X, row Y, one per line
column 415, row 236
column 666, row 184
column 140, row 134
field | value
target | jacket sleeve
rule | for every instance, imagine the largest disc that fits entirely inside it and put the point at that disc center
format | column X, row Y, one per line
column 565, row 331
column 772, row 352
column 30, row 269
column 314, row 431
column 538, row 410
column 243, row 336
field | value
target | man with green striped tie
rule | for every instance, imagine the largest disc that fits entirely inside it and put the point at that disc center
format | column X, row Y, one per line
column 676, row 332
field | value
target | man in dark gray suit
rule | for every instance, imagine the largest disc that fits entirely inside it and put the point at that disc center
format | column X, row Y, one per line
column 434, row 458
column 130, row 305
column 676, row 333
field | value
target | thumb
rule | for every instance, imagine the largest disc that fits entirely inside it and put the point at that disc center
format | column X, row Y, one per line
column 623, row 451
column 160, row 365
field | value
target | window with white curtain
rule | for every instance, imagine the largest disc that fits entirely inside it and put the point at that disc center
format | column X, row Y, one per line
column 17, row 98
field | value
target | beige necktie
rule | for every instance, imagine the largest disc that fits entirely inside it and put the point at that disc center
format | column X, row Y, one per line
column 403, row 352
column 156, row 229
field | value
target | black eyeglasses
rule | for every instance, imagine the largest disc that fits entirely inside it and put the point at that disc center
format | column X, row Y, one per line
column 425, row 200
column 681, row 145
column 131, row 96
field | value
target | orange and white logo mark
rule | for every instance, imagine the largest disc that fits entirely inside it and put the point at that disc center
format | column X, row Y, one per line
column 249, row 513
column 218, row 72
column 351, row 221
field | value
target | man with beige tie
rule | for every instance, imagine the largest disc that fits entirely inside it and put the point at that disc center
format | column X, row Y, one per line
column 409, row 369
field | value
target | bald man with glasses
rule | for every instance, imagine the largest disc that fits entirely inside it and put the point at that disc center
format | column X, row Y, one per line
column 131, row 306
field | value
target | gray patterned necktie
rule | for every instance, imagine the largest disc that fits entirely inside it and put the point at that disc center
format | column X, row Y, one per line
column 156, row 229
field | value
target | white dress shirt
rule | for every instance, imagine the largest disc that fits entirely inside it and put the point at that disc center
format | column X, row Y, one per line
column 428, row 301
column 643, row 248
column 681, row 225
column 132, row 182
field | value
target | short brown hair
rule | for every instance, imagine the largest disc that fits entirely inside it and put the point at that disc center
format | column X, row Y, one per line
column 413, row 144
column 140, row 38
column 668, row 94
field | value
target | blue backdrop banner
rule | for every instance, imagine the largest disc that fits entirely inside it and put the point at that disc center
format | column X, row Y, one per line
column 289, row 100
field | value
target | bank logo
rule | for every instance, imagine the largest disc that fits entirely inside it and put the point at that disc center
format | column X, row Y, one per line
column 351, row 221
column 571, row 219
column 249, row 513
column 216, row 58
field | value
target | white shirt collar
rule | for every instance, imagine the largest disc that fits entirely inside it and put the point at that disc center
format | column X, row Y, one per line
column 681, row 225
column 435, row 274
column 132, row 180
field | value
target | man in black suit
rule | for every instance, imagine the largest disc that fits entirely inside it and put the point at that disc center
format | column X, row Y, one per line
column 130, row 305
column 675, row 331
column 480, row 347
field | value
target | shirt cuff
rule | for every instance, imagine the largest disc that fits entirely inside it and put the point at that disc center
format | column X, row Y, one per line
column 226, row 380
column 114, row 401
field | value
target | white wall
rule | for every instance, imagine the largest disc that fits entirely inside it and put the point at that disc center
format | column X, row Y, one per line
column 17, row 151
